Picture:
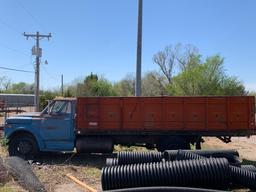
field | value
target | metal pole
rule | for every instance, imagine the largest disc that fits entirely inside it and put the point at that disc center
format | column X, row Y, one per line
column 139, row 51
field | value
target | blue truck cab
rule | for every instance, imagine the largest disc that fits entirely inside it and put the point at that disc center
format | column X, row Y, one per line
column 53, row 129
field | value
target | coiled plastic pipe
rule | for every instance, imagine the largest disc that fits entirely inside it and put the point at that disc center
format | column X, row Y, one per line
column 111, row 161
column 249, row 167
column 127, row 157
column 191, row 173
column 230, row 155
column 243, row 177
column 164, row 189
column 184, row 155
column 171, row 154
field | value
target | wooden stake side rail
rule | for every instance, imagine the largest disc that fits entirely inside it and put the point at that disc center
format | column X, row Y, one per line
column 126, row 114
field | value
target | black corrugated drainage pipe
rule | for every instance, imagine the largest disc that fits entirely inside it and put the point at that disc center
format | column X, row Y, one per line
column 242, row 176
column 128, row 157
column 249, row 167
column 207, row 173
column 125, row 158
column 111, row 162
column 164, row 189
column 230, row 155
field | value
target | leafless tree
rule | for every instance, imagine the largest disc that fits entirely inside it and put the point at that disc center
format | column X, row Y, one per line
column 186, row 56
column 5, row 83
column 165, row 59
column 176, row 57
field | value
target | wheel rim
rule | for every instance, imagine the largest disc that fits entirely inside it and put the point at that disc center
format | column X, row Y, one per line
column 24, row 147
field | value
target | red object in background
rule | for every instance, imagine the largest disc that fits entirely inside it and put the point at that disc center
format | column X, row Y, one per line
column 126, row 114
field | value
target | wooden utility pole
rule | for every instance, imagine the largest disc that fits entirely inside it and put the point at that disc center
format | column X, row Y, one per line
column 37, row 51
column 139, row 51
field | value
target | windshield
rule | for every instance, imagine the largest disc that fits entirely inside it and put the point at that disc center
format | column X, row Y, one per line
column 58, row 107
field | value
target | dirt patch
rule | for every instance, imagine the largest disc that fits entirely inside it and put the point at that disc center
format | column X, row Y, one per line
column 68, row 188
column 52, row 170
column 11, row 186
column 1, row 120
column 245, row 146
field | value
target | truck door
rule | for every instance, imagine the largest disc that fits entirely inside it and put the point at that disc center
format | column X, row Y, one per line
column 57, row 125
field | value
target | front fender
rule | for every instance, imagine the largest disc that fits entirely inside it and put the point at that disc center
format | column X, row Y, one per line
column 9, row 132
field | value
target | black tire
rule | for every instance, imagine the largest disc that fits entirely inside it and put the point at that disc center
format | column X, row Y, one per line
column 24, row 146
column 172, row 143
column 23, row 173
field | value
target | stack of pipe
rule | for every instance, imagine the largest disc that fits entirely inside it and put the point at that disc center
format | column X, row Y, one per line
column 180, row 168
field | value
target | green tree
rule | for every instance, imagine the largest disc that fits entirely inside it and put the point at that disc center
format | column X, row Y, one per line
column 94, row 86
column 126, row 86
column 208, row 78
column 21, row 88
column 46, row 96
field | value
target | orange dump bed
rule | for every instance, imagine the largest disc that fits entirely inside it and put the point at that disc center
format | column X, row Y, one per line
column 124, row 114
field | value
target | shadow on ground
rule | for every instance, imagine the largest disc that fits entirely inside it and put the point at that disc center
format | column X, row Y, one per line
column 95, row 160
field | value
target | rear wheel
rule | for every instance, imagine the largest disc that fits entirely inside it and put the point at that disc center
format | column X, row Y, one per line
column 23, row 145
column 172, row 143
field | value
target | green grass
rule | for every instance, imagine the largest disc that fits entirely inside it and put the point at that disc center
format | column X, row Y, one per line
column 3, row 147
column 6, row 189
column 248, row 162
column 92, row 172
column 3, row 141
column 119, row 148
column 10, row 187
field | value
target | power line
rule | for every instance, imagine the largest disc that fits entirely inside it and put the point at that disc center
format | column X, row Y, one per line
column 14, row 50
column 52, row 76
column 21, row 53
column 18, row 70
column 10, row 26
column 29, row 13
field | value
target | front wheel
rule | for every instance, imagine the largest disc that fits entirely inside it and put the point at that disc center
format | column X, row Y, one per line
column 24, row 146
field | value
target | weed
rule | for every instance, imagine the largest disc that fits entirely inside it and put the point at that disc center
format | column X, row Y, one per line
column 119, row 148
column 248, row 162
column 3, row 147
column 3, row 142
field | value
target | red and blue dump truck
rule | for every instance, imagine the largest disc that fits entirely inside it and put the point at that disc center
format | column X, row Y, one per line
column 96, row 124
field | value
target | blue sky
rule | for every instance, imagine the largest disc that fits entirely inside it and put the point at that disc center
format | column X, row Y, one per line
column 100, row 36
